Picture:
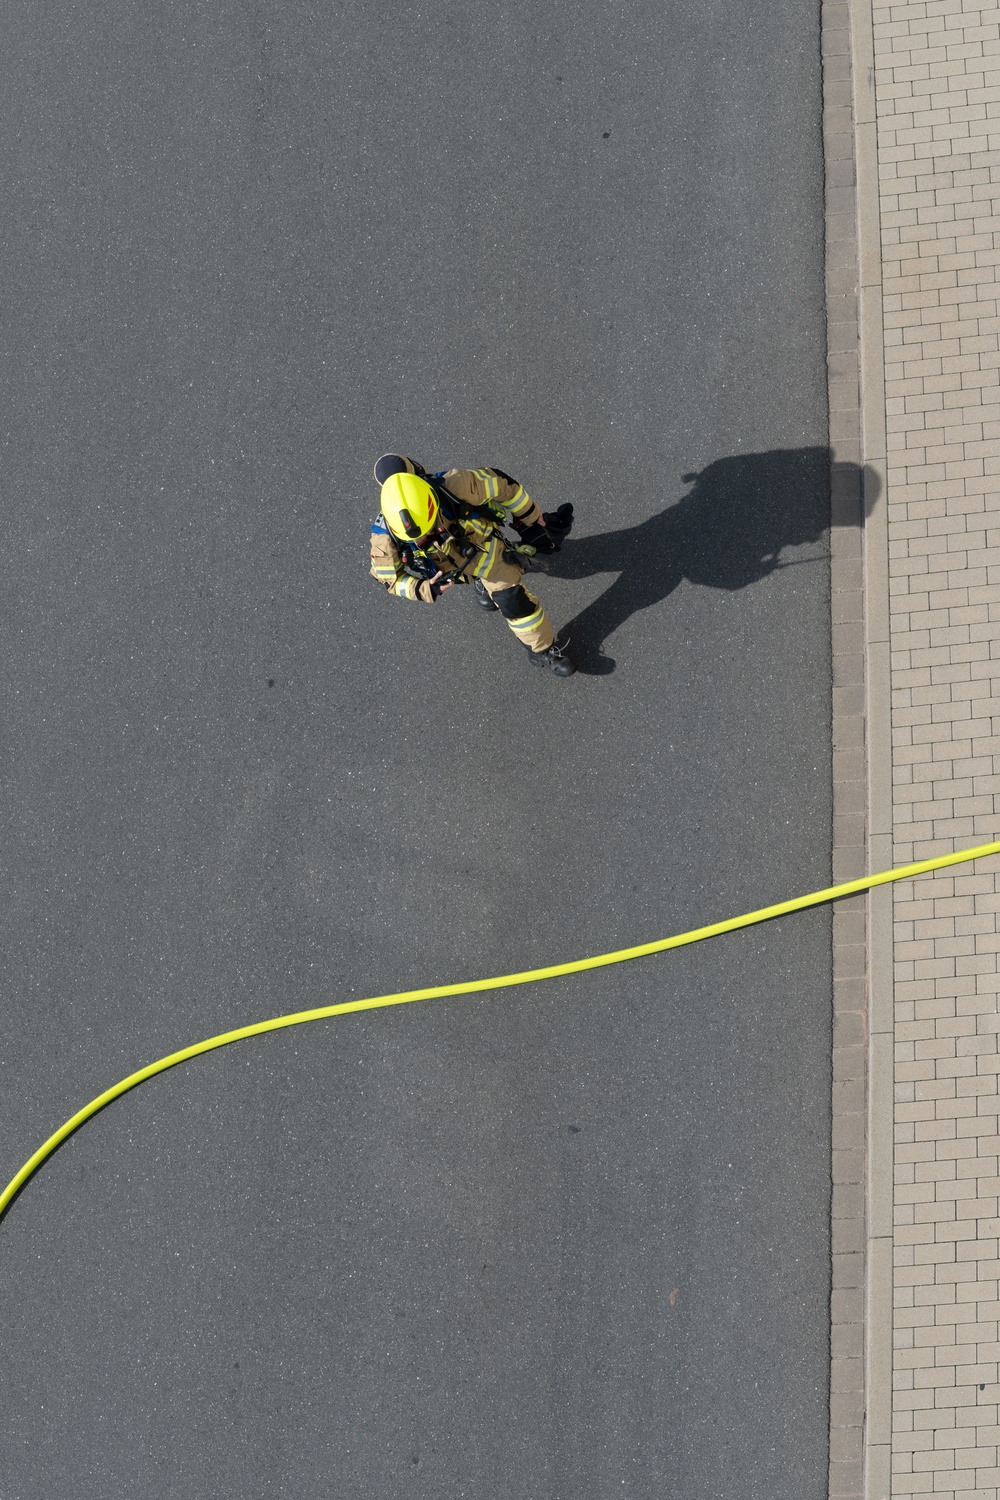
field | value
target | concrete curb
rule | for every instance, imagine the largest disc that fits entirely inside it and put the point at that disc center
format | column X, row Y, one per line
column 877, row 1449
column 861, row 1304
column 849, row 793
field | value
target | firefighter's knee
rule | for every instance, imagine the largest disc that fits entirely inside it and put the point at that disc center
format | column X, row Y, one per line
column 514, row 603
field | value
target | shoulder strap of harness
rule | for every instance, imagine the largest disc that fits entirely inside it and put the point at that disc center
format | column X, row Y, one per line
column 458, row 510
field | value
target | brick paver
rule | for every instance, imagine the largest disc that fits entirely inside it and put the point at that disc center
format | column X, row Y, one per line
column 937, row 94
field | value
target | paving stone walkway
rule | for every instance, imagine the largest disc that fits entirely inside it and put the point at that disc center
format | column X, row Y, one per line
column 935, row 184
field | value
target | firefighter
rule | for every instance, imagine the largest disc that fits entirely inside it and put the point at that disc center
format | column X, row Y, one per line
column 437, row 531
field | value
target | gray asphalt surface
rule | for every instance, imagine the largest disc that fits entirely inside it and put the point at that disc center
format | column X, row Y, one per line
column 567, row 1241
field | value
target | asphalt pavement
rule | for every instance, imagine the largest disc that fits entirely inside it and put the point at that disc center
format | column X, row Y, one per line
column 566, row 1241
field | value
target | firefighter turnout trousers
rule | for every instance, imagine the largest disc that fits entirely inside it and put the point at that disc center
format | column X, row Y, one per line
column 522, row 611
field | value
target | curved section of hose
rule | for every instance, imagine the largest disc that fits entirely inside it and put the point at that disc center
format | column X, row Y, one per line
column 474, row 986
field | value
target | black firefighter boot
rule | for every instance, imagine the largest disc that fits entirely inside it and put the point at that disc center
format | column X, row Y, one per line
column 554, row 658
column 482, row 597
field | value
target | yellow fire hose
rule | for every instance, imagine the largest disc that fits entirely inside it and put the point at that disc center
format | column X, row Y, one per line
column 501, row 981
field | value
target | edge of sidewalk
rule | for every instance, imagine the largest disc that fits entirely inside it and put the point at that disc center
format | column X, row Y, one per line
column 861, row 1225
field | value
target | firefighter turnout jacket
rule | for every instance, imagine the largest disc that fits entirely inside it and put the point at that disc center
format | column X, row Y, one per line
column 471, row 547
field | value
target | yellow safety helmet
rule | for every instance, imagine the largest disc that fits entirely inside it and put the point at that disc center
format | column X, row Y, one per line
column 409, row 507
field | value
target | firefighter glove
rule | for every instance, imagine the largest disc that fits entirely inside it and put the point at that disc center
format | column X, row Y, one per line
column 561, row 519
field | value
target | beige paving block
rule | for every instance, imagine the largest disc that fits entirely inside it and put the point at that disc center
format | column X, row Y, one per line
column 913, row 1484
